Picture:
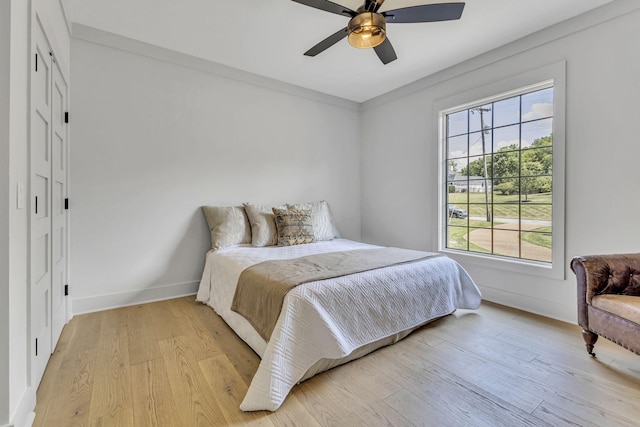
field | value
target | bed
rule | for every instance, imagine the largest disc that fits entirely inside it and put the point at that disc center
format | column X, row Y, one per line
column 325, row 323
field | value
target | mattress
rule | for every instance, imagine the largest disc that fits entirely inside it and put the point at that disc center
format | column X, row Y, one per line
column 332, row 321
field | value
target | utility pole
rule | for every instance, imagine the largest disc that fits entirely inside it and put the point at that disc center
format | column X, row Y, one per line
column 484, row 159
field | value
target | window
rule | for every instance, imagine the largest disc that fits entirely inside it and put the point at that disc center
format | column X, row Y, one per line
column 501, row 167
column 499, row 177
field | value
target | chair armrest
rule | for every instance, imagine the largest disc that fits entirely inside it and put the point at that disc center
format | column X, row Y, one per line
column 607, row 274
column 604, row 274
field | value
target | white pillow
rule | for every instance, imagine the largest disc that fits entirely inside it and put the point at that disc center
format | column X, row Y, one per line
column 324, row 227
column 263, row 224
column 228, row 225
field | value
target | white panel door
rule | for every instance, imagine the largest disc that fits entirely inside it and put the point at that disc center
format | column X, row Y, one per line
column 40, row 204
column 58, row 194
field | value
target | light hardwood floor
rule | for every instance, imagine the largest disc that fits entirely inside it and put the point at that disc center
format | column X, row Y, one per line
column 176, row 363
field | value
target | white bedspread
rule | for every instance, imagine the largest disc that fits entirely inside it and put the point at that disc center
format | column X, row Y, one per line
column 329, row 319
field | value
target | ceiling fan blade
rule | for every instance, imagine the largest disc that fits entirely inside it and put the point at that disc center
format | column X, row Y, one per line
column 425, row 13
column 378, row 5
column 372, row 5
column 385, row 52
column 327, row 43
column 328, row 6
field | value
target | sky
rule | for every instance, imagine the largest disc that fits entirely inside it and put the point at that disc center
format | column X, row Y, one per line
column 502, row 119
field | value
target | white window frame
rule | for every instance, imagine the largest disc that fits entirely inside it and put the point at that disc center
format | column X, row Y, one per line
column 551, row 75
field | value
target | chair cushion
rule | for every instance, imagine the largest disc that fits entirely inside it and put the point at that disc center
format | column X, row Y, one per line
column 625, row 306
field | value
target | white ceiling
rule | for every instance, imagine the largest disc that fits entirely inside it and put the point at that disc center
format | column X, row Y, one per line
column 269, row 37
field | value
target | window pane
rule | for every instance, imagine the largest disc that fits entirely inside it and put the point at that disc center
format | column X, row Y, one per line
column 505, row 164
column 537, row 133
column 539, row 213
column 459, row 197
column 506, row 212
column 476, row 167
column 530, row 187
column 457, row 146
column 536, row 246
column 454, row 219
column 506, row 240
column 506, row 112
column 537, row 161
column 480, row 239
column 480, row 143
column 457, row 123
column 457, row 168
column 456, row 237
column 478, row 214
column 506, row 138
column 506, row 190
column 480, row 118
column 479, row 186
column 536, row 105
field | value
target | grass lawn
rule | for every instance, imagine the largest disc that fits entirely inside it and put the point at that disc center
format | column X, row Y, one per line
column 540, row 237
column 538, row 206
column 458, row 229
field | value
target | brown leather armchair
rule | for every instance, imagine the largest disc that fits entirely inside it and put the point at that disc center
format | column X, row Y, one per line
column 609, row 299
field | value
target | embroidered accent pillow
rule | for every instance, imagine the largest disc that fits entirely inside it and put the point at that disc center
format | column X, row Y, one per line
column 228, row 225
column 295, row 227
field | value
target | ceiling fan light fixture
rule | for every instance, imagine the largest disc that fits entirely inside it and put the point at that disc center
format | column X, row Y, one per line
column 367, row 29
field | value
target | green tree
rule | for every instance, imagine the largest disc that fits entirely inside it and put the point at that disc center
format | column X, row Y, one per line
column 476, row 168
column 533, row 164
column 506, row 163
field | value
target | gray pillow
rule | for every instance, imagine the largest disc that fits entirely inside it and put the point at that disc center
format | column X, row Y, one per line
column 263, row 224
column 228, row 225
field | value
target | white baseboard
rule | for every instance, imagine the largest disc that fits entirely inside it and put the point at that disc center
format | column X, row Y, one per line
column 138, row 296
column 526, row 303
column 24, row 415
column 30, row 419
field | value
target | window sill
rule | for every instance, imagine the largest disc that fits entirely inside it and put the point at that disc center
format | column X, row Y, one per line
column 530, row 267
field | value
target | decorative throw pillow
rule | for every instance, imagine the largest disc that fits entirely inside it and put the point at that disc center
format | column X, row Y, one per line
column 263, row 224
column 228, row 225
column 324, row 227
column 295, row 227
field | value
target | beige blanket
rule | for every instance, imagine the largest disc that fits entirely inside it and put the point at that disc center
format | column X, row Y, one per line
column 262, row 287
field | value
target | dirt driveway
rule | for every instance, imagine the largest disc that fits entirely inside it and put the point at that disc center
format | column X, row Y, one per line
column 507, row 241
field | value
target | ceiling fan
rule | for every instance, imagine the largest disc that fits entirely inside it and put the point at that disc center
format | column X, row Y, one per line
column 367, row 27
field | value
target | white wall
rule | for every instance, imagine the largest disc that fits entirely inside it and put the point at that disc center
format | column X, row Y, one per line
column 5, row 63
column 22, row 396
column 153, row 140
column 400, row 151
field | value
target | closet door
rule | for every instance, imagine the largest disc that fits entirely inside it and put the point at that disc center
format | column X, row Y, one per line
column 48, row 191
column 59, row 194
column 40, row 203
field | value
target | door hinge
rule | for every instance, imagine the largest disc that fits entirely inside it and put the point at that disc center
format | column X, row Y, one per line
column 66, row 203
column 66, row 117
column 66, row 290
column 36, row 346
